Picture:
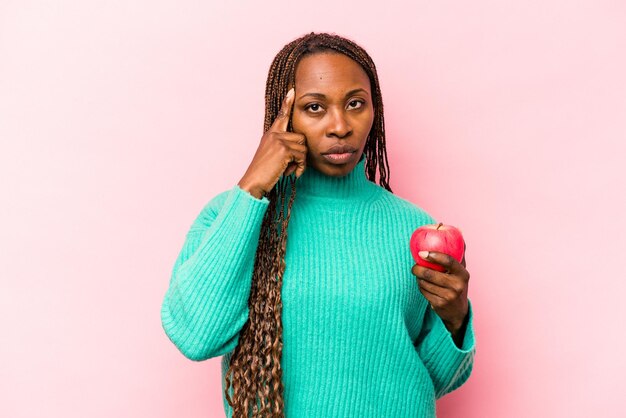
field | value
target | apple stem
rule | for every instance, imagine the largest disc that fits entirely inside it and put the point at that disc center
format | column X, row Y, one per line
column 439, row 226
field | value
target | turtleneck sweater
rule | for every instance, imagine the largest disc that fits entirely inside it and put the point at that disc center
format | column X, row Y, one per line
column 359, row 339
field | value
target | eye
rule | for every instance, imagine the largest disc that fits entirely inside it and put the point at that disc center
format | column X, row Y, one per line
column 356, row 103
column 313, row 107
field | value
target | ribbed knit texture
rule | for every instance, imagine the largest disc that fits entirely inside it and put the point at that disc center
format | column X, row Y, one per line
column 360, row 340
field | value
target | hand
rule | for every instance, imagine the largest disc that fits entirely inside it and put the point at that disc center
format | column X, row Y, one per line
column 446, row 291
column 279, row 152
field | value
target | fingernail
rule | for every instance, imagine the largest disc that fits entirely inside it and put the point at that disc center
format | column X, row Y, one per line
column 423, row 254
column 290, row 93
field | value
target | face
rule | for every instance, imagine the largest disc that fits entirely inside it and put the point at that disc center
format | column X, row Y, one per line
column 333, row 108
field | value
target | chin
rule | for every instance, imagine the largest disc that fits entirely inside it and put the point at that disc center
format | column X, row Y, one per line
column 337, row 170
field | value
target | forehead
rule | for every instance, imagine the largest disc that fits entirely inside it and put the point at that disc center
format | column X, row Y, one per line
column 328, row 72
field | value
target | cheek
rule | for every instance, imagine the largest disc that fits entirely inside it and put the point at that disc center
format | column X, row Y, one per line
column 297, row 122
column 304, row 125
column 370, row 118
column 369, row 124
column 367, row 121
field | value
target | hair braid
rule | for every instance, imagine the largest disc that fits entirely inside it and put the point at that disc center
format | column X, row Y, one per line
column 254, row 373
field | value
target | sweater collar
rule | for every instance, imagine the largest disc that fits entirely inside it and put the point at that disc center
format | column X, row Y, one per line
column 354, row 185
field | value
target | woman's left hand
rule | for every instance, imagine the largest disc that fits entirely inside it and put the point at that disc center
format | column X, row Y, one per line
column 446, row 291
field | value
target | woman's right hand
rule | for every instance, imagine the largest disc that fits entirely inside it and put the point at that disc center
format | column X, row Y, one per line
column 279, row 152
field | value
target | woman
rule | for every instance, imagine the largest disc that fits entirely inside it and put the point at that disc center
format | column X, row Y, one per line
column 341, row 321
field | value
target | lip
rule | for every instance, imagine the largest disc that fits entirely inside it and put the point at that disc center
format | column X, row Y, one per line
column 340, row 149
column 339, row 158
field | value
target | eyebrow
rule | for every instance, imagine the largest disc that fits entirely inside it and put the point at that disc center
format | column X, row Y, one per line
column 322, row 96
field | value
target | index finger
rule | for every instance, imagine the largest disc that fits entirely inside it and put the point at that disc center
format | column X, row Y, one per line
column 282, row 119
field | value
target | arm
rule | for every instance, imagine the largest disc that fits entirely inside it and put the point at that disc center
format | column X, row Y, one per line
column 449, row 365
column 206, row 304
column 446, row 347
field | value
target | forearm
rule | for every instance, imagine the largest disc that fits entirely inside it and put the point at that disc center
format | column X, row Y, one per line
column 206, row 303
column 448, row 360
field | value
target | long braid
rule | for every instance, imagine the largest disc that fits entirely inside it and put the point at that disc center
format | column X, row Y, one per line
column 254, row 373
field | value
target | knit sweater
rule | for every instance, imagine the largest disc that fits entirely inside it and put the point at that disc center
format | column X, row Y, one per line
column 360, row 340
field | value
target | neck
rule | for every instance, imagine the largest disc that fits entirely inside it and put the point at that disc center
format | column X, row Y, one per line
column 353, row 186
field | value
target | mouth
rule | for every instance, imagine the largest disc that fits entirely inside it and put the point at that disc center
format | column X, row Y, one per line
column 339, row 158
column 339, row 154
column 340, row 149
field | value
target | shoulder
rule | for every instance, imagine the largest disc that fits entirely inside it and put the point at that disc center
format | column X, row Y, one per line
column 404, row 208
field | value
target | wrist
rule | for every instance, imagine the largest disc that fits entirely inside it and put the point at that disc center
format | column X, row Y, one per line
column 454, row 327
column 457, row 329
column 251, row 189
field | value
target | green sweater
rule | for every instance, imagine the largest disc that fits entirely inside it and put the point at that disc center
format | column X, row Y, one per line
column 360, row 340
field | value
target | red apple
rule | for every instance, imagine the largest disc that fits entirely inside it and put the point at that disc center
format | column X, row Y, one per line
column 441, row 238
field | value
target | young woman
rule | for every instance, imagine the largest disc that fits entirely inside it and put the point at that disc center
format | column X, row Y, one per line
column 301, row 276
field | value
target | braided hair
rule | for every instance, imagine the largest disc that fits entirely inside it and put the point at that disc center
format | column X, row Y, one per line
column 254, row 371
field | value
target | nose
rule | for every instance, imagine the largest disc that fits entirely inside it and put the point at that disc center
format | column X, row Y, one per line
column 338, row 125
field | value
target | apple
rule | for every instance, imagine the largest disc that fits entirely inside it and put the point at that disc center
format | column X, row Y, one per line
column 441, row 238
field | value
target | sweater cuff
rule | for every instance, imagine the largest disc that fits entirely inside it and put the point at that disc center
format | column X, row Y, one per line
column 469, row 343
column 239, row 190
column 449, row 365
column 442, row 346
column 242, row 212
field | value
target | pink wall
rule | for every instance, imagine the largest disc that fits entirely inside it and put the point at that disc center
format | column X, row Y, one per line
column 119, row 120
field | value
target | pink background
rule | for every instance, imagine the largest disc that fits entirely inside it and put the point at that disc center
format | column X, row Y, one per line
column 119, row 120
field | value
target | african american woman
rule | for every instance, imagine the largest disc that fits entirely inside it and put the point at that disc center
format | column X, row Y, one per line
column 300, row 276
